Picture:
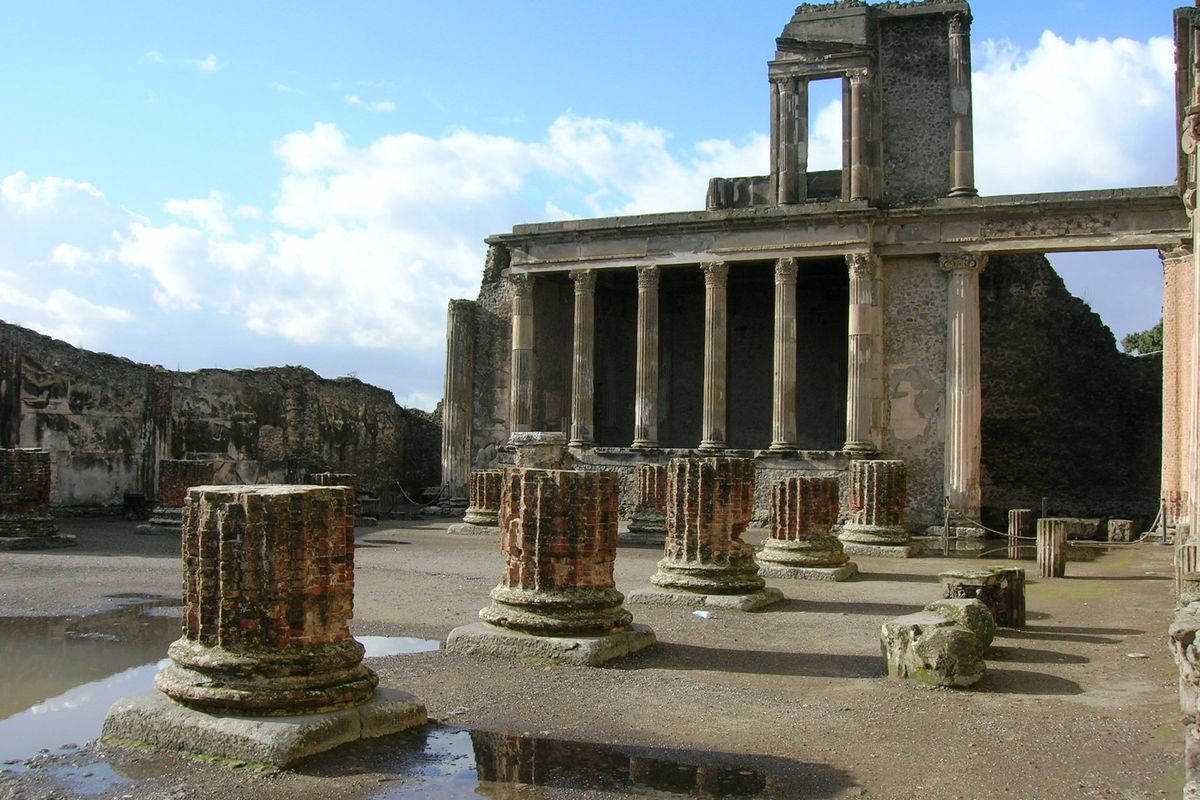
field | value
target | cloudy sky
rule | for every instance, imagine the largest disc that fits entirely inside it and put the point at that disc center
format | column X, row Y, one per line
column 248, row 184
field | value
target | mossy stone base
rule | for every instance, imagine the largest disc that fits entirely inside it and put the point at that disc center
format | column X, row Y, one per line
column 736, row 577
column 481, row 639
column 572, row 612
column 751, row 601
column 471, row 529
column 153, row 719
column 970, row 613
column 881, row 550
column 838, row 573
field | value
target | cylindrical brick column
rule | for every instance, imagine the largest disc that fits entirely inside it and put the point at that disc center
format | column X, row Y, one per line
column 962, row 156
column 485, row 498
column 645, row 403
column 716, row 275
column 25, row 494
column 878, row 491
column 458, row 400
column 709, row 503
column 783, row 405
column 803, row 511
column 649, row 500
column 268, row 591
column 583, row 386
column 1020, row 526
column 175, row 476
column 558, row 534
column 1052, row 547
column 521, row 378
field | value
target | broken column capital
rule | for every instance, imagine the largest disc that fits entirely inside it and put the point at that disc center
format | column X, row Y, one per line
column 785, row 270
column 647, row 276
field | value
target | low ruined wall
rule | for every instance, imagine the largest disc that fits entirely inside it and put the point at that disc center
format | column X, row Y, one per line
column 1066, row 416
column 108, row 421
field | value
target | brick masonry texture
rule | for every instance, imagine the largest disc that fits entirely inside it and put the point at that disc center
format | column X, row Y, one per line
column 484, row 494
column 24, row 482
column 175, row 476
column 650, row 488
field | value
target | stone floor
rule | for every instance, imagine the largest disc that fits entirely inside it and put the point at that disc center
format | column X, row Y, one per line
column 1068, row 708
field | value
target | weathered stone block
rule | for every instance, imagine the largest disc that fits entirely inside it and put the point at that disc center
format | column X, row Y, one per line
column 1121, row 530
column 1009, row 609
column 540, row 449
column 175, row 476
column 930, row 648
column 969, row 613
column 1185, row 649
column 801, row 545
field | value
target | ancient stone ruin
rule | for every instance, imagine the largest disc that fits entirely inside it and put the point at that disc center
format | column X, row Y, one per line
column 556, row 598
column 268, row 590
column 934, row 647
column 801, row 543
column 483, row 512
column 175, row 476
column 648, row 523
column 705, row 561
column 877, row 498
column 1052, row 536
column 1000, row 589
column 25, row 521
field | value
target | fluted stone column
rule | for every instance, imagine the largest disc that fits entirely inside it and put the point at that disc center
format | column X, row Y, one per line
column 878, row 492
column 963, row 401
column 1176, row 385
column 862, row 349
column 716, row 276
column 962, row 157
column 645, row 410
column 789, row 104
column 783, row 406
column 648, row 524
column 804, row 509
column 1020, row 528
column 557, row 597
column 1052, row 547
column 457, row 402
column 860, row 132
column 705, row 562
column 268, row 592
column 582, row 362
column 521, row 403
column 483, row 513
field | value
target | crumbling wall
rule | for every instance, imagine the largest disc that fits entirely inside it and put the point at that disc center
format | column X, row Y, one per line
column 107, row 422
column 493, row 360
column 1066, row 416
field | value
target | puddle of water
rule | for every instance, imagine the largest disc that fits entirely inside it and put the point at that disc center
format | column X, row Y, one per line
column 454, row 764
column 380, row 646
column 93, row 779
column 62, row 674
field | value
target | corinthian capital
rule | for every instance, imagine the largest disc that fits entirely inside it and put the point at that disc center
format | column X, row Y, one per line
column 715, row 273
column 585, row 280
column 963, row 262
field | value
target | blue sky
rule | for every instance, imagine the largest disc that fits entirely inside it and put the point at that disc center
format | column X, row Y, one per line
column 242, row 185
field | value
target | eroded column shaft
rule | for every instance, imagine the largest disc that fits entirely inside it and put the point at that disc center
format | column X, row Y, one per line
column 962, row 157
column 804, row 510
column 783, row 405
column 457, row 402
column 963, row 395
column 484, row 508
column 862, row 351
column 716, row 275
column 649, row 499
column 582, row 361
column 878, row 493
column 645, row 432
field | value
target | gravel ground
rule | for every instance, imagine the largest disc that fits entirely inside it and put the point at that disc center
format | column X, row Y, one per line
column 795, row 692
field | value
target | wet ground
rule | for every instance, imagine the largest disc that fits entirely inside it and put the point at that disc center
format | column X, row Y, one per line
column 789, row 702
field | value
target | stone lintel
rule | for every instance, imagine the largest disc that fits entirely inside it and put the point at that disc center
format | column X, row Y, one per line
column 153, row 719
column 481, row 639
column 732, row 602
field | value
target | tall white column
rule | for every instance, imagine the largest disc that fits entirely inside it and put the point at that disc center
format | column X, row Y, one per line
column 862, row 350
column 521, row 398
column 583, row 382
column 783, row 406
column 716, row 275
column 962, row 158
column 860, row 133
column 963, row 401
column 645, row 433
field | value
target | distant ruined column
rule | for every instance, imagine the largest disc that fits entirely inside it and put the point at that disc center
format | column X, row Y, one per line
column 862, row 349
column 963, row 402
column 878, row 494
column 582, row 363
column 962, row 163
column 457, row 405
column 1177, row 369
column 521, row 405
column 789, row 103
column 716, row 275
column 783, row 406
column 860, row 124
column 645, row 433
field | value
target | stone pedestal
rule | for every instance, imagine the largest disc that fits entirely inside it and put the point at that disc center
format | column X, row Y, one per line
column 1010, row 608
column 483, row 513
column 25, row 521
column 540, row 449
column 175, row 476
column 557, row 598
column 1052, row 547
column 268, row 594
column 1121, row 530
column 706, row 563
column 878, row 491
column 1020, row 527
column 1001, row 589
column 801, row 545
column 648, row 524
column 930, row 647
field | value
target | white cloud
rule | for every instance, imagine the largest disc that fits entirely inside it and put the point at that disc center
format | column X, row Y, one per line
column 283, row 88
column 154, row 56
column 1074, row 115
column 381, row 105
column 208, row 213
column 208, row 63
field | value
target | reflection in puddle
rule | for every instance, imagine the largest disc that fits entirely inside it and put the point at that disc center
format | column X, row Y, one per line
column 94, row 779
column 449, row 763
column 62, row 674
